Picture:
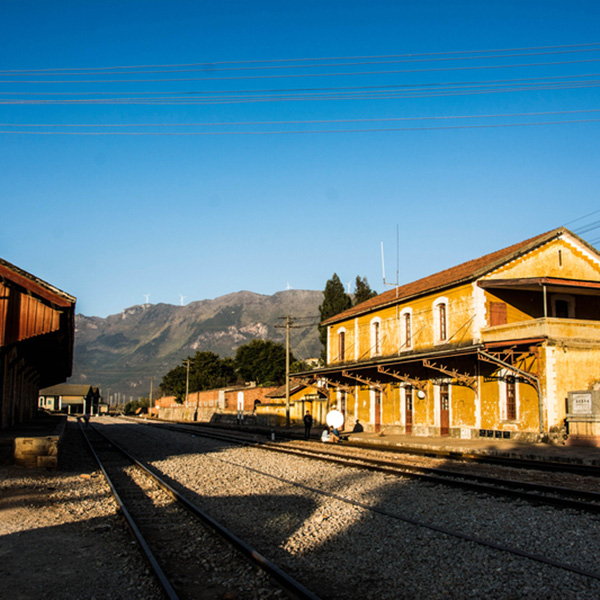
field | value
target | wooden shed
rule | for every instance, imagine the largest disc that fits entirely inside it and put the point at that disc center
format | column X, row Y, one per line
column 37, row 325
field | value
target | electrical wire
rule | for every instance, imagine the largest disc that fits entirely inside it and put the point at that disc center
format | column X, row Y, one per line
column 294, row 132
column 336, row 58
column 581, row 218
column 208, row 66
column 309, row 121
column 307, row 75
column 524, row 80
column 213, row 101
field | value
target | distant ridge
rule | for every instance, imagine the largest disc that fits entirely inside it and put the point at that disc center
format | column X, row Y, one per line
column 121, row 352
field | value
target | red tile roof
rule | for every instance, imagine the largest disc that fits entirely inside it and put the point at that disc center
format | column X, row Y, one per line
column 455, row 275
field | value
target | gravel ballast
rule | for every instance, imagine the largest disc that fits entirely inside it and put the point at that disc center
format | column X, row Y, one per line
column 341, row 550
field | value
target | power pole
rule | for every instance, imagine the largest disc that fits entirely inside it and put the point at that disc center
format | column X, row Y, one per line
column 287, row 371
column 150, row 397
column 288, row 326
column 187, row 381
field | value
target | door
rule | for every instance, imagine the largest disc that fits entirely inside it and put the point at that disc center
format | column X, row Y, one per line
column 408, row 409
column 377, row 411
column 444, row 409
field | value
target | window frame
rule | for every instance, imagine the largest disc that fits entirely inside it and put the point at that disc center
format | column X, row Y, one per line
column 441, row 311
column 375, row 336
column 406, row 329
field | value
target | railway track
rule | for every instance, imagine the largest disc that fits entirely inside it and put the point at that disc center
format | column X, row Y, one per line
column 172, row 533
column 537, row 493
column 387, row 513
column 550, row 466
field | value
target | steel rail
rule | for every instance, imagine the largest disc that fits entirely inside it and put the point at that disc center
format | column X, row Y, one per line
column 137, row 534
column 410, row 520
column 521, row 463
column 475, row 483
column 291, row 585
column 531, row 492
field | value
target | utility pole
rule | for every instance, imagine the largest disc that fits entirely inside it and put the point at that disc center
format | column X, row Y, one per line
column 187, row 381
column 287, row 371
column 288, row 325
column 150, row 397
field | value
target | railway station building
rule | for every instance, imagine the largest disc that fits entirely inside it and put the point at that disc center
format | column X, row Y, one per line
column 37, row 325
column 494, row 347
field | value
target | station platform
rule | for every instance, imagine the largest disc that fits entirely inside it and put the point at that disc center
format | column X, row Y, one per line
column 511, row 449
column 585, row 455
column 34, row 443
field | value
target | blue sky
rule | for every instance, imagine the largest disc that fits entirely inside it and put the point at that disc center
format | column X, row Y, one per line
column 109, row 218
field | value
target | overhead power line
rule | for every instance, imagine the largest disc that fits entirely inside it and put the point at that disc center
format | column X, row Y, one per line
column 290, row 132
column 550, row 80
column 558, row 48
column 314, row 65
column 309, row 121
column 308, row 75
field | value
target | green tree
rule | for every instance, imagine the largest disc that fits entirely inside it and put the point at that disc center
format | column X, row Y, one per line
column 262, row 361
column 362, row 290
column 335, row 301
column 207, row 371
column 173, row 383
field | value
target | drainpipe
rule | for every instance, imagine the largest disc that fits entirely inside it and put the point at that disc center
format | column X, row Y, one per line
column 527, row 376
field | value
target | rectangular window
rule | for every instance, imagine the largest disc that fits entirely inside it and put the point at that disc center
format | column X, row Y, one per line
column 443, row 330
column 342, row 345
column 376, row 345
column 407, row 330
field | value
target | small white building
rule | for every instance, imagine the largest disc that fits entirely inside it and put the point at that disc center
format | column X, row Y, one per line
column 70, row 398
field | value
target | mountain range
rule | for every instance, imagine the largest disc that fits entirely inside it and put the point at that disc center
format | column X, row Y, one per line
column 120, row 353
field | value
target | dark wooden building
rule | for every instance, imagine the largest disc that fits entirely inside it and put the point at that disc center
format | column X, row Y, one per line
column 37, row 326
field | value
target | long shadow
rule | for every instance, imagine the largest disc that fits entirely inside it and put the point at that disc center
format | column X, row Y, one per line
column 342, row 551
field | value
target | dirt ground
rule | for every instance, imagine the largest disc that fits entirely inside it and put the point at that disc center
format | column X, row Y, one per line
column 61, row 535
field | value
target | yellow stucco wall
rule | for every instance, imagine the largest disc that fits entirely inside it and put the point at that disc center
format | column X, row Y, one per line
column 424, row 327
column 577, row 262
column 569, row 361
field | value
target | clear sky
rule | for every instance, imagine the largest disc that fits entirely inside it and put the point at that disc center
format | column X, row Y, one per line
column 115, row 184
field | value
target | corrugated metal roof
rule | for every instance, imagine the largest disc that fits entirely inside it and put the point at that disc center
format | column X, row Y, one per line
column 34, row 284
column 66, row 389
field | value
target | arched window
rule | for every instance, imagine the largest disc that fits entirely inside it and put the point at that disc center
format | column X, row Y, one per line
column 376, row 336
column 440, row 320
column 406, row 329
column 342, row 345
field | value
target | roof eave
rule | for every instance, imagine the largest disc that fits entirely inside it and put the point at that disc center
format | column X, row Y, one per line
column 472, row 277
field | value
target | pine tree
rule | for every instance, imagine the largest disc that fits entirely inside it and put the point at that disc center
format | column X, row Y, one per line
column 335, row 301
column 362, row 290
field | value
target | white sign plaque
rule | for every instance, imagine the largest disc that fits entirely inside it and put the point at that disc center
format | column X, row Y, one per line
column 582, row 404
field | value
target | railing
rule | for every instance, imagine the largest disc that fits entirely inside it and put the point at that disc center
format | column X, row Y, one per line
column 551, row 328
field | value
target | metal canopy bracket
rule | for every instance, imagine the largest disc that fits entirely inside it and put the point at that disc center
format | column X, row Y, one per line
column 342, row 386
column 414, row 381
column 366, row 381
column 464, row 378
column 529, row 376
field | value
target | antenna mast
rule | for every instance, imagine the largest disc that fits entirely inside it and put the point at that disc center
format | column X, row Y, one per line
column 397, row 262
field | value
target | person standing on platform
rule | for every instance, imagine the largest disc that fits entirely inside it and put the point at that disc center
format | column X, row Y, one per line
column 308, row 421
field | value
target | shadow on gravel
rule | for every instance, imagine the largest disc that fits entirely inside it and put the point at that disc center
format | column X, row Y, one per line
column 70, row 561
